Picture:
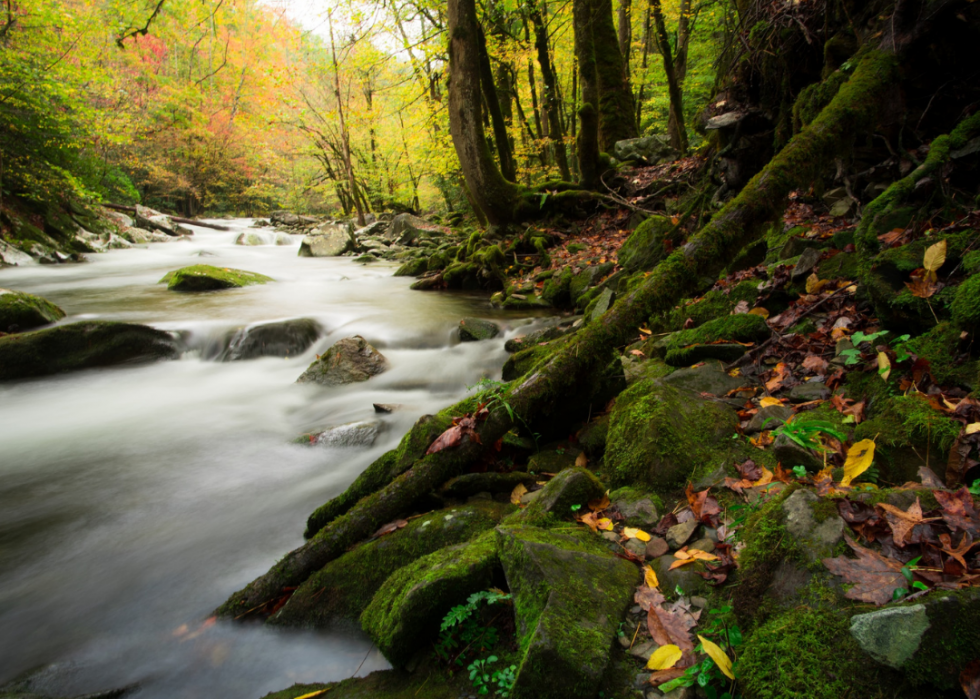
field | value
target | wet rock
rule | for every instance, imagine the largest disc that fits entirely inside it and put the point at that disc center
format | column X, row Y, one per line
column 327, row 240
column 638, row 513
column 636, row 547
column 9, row 255
column 656, row 547
column 804, row 266
column 353, row 434
column 475, row 329
column 573, row 486
column 287, row 338
column 470, row 484
column 290, row 220
column 892, row 635
column 20, row 311
column 553, row 460
column 705, row 544
column 809, row 390
column 385, row 407
column 208, row 278
column 602, row 305
column 769, row 418
column 249, row 239
column 691, row 346
column 349, row 360
column 711, row 378
column 81, row 346
column 817, row 539
column 558, row 328
column 645, row 247
column 585, row 280
column 155, row 221
column 684, row 577
column 283, row 239
column 679, row 534
column 791, row 454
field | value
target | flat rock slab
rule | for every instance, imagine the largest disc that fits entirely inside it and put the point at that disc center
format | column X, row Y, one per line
column 208, row 278
column 892, row 635
column 82, row 346
column 352, row 434
column 350, row 360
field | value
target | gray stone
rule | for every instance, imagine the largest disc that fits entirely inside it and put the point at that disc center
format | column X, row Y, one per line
column 649, row 150
column 816, row 538
column 603, row 303
column 705, row 544
column 611, row 536
column 374, row 228
column 710, row 377
column 636, row 547
column 155, row 221
column 679, row 534
column 350, row 360
column 723, row 121
column 809, row 390
column 656, row 547
column 684, row 577
column 405, row 229
column 572, row 486
column 475, row 329
column 638, row 513
column 769, row 418
column 249, row 239
column 353, row 434
column 715, row 478
column 283, row 239
column 9, row 255
column 327, row 240
column 286, row 338
column 808, row 260
column 791, row 454
column 891, row 635
column 643, row 651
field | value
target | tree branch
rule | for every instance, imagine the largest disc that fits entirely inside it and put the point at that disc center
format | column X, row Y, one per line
column 127, row 34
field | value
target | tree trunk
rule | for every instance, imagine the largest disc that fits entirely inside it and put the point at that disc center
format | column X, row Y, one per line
column 493, row 194
column 615, row 95
column 625, row 32
column 678, row 135
column 551, row 102
column 643, row 67
column 500, row 136
column 680, row 58
column 344, row 135
column 587, row 141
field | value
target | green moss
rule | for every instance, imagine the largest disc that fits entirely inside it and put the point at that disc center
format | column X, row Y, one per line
column 971, row 262
column 576, row 247
column 208, row 278
column 940, row 347
column 413, row 267
column 662, row 436
column 342, row 590
column 950, row 643
column 646, row 247
column 745, row 327
column 814, row 98
column 20, row 311
column 807, row 654
column 382, row 471
column 81, row 345
column 965, row 308
column 406, row 612
column 714, row 304
column 520, row 363
column 428, row 682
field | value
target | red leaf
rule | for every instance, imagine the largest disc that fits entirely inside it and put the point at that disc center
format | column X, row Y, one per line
column 875, row 577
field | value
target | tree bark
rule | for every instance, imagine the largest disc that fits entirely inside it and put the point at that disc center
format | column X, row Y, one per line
column 344, row 135
column 490, row 95
column 625, row 32
column 615, row 95
column 551, row 102
column 495, row 196
column 678, row 135
column 643, row 66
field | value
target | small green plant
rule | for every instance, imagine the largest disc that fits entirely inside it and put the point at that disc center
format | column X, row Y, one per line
column 975, row 488
column 907, row 571
column 493, row 393
column 706, row 674
column 807, row 434
column 799, row 471
column 853, row 356
column 483, row 679
column 462, row 629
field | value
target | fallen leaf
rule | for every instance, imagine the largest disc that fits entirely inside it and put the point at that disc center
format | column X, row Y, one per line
column 670, row 626
column 922, row 286
column 517, row 493
column 875, row 577
column 452, row 437
column 600, row 504
column 934, row 257
column 972, row 428
column 721, row 658
column 582, row 461
column 590, row 520
column 605, row 524
column 958, row 511
column 884, row 366
column 814, row 284
column 859, row 459
column 650, row 578
column 314, row 694
column 664, row 658
column 902, row 522
column 631, row 533
column 662, row 676
column 637, row 353
column 966, row 543
column 740, row 308
column 815, row 363
column 759, row 311
column 391, row 527
column 749, row 470
column 929, row 479
column 780, row 375
column 769, row 401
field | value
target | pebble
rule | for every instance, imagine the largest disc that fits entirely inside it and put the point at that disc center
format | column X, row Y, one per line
column 705, row 544
column 637, row 548
column 678, row 534
column 656, row 547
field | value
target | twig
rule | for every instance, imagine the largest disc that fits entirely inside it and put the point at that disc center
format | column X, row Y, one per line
column 146, row 27
column 363, row 661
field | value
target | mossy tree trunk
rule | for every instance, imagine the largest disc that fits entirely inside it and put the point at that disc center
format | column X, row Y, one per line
column 625, row 31
column 675, row 125
column 587, row 141
column 615, row 95
column 551, row 101
column 491, row 192
column 491, row 96
column 739, row 223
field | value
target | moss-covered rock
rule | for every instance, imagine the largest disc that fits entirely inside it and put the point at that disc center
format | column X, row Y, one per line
column 381, row 472
column 20, row 311
column 81, row 346
column 951, row 641
column 662, row 436
column 342, row 589
column 349, row 360
column 714, row 304
column 492, row 482
column 406, row 612
column 697, row 344
column 965, row 308
column 573, row 487
column 557, row 289
column 587, row 279
column 413, row 267
column 523, row 361
column 569, row 595
column 383, row 684
column 476, row 329
column 208, row 278
column 947, row 355
column 646, row 246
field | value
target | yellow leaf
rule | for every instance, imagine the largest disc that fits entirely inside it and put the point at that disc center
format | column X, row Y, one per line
column 681, row 562
column 517, row 493
column 646, row 331
column 664, row 657
column 650, row 577
column 721, row 659
column 812, row 283
column 765, row 478
column 935, row 256
column 973, row 428
column 884, row 366
column 605, row 524
column 859, row 458
column 581, row 460
column 767, row 401
column 314, row 694
column 631, row 533
column 759, row 311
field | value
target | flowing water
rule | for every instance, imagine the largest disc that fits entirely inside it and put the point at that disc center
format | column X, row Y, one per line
column 134, row 500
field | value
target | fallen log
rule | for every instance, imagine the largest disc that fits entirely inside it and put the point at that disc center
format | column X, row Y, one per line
column 175, row 219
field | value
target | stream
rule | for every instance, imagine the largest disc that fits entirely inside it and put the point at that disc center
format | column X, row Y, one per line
column 134, row 500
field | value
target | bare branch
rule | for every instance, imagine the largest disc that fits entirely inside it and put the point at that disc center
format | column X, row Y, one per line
column 131, row 32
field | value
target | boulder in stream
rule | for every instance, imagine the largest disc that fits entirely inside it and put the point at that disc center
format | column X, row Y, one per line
column 20, row 311
column 81, row 346
column 286, row 338
column 350, row 360
column 327, row 240
column 249, row 239
column 475, row 329
column 208, row 278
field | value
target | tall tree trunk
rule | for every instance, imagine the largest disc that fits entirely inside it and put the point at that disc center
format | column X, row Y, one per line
column 500, row 136
column 490, row 191
column 625, row 32
column 678, row 135
column 643, row 66
column 344, row 136
column 680, row 58
column 551, row 100
column 587, row 141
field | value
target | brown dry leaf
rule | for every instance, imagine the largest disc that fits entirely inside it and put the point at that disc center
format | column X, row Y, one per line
column 391, row 527
column 780, row 374
column 517, row 493
column 875, row 577
column 959, row 511
column 891, row 237
column 669, row 626
column 815, row 363
column 740, row 308
column 637, row 353
column 582, row 460
column 902, row 522
column 922, row 286
column 814, row 285
column 966, row 543
column 454, row 435
column 661, row 676
column 929, row 478
column 590, row 520
column 600, row 504
column 764, row 479
column 969, row 679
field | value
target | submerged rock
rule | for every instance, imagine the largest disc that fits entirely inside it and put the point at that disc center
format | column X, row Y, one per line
column 81, row 346
column 350, row 360
column 286, row 338
column 20, row 311
column 353, row 434
column 208, row 278
column 475, row 329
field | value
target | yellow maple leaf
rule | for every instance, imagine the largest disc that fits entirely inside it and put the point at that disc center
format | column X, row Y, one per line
column 721, row 658
column 859, row 458
column 650, row 577
column 664, row 657
column 631, row 533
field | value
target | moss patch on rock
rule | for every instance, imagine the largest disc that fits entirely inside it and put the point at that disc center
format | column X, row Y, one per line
column 20, row 311
column 646, row 245
column 383, row 684
column 208, row 278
